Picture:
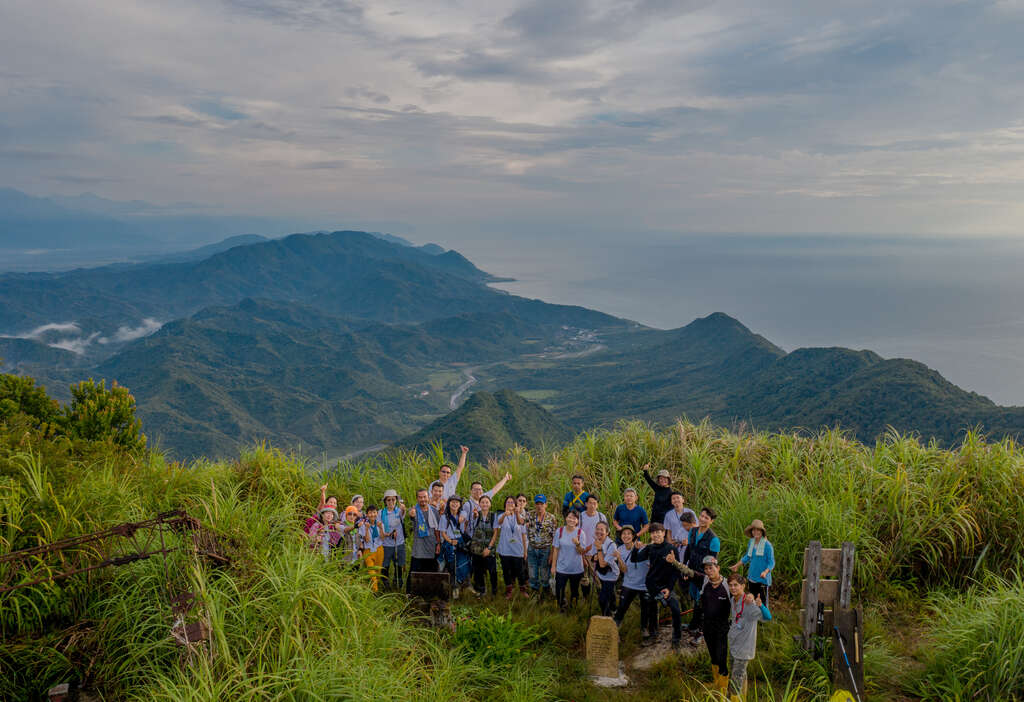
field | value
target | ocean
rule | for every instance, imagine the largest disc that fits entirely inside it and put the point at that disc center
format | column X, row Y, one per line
column 955, row 304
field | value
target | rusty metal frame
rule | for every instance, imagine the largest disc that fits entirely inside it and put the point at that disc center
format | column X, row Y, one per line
column 116, row 546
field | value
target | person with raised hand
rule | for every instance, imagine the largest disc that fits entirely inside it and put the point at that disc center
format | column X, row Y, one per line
column 450, row 480
column 760, row 557
column 476, row 491
column 662, row 486
column 567, row 552
column 746, row 610
column 512, row 547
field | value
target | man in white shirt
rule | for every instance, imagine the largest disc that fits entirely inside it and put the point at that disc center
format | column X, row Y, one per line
column 448, row 481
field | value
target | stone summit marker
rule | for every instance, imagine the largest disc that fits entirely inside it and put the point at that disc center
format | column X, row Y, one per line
column 603, row 647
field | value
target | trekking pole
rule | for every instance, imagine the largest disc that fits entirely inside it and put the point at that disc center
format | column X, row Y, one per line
column 846, row 659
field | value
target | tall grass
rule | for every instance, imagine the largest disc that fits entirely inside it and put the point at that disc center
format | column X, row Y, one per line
column 976, row 648
column 286, row 625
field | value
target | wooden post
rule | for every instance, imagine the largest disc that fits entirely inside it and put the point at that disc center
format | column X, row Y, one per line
column 809, row 593
column 846, row 576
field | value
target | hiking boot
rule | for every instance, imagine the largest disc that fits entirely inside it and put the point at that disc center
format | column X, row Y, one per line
column 650, row 638
column 524, row 592
column 508, row 592
column 676, row 643
column 455, row 592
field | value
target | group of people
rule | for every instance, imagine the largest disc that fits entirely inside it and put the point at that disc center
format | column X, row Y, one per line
column 654, row 560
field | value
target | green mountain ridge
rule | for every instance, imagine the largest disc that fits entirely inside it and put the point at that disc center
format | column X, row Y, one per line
column 491, row 423
column 341, row 341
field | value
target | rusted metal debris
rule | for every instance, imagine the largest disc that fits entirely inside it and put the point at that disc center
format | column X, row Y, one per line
column 116, row 546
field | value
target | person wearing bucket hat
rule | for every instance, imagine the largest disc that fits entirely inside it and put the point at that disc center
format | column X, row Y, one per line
column 760, row 557
column 392, row 516
column 662, row 486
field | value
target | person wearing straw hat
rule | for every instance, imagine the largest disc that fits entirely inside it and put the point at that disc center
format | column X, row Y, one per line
column 392, row 516
column 760, row 558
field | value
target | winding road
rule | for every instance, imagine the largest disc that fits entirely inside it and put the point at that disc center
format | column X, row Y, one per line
column 461, row 390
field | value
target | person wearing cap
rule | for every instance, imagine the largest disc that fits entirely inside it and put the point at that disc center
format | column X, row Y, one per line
column 449, row 480
column 664, row 572
column 629, row 512
column 760, row 557
column 540, row 531
column 392, row 517
column 745, row 612
column 715, row 603
column 325, row 533
column 662, row 486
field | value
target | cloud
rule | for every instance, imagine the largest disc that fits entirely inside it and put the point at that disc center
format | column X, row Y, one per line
column 76, row 345
column 125, row 334
column 461, row 118
column 38, row 332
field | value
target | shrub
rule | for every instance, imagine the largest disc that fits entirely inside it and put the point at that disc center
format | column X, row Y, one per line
column 99, row 414
column 494, row 640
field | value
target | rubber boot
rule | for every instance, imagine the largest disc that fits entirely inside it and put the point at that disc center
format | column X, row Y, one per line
column 714, row 676
column 722, row 686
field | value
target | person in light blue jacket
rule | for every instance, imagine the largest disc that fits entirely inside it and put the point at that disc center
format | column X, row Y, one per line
column 760, row 559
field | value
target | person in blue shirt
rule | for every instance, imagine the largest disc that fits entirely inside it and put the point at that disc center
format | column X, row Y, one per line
column 630, row 513
column 760, row 557
column 575, row 499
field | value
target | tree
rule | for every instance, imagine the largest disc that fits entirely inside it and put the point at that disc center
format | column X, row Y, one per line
column 19, row 394
column 99, row 414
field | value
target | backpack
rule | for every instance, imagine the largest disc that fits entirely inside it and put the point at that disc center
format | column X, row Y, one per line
column 482, row 531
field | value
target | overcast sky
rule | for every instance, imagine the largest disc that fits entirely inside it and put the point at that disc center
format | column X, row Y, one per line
column 567, row 117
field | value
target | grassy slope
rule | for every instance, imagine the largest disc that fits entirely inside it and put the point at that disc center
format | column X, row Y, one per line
column 496, row 422
column 288, row 627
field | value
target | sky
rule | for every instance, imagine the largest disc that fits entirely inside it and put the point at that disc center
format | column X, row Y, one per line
column 575, row 120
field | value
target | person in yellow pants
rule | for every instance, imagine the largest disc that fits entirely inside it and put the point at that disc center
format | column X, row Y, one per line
column 372, row 532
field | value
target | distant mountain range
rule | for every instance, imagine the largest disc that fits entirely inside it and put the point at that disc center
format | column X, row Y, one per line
column 338, row 341
column 490, row 424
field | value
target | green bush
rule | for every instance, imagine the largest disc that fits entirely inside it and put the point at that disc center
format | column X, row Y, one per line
column 494, row 640
column 99, row 414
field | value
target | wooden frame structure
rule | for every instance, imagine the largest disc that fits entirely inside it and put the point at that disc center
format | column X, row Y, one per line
column 826, row 609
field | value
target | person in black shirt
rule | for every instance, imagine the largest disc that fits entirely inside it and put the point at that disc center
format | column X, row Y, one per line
column 714, row 601
column 662, row 486
column 663, row 575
